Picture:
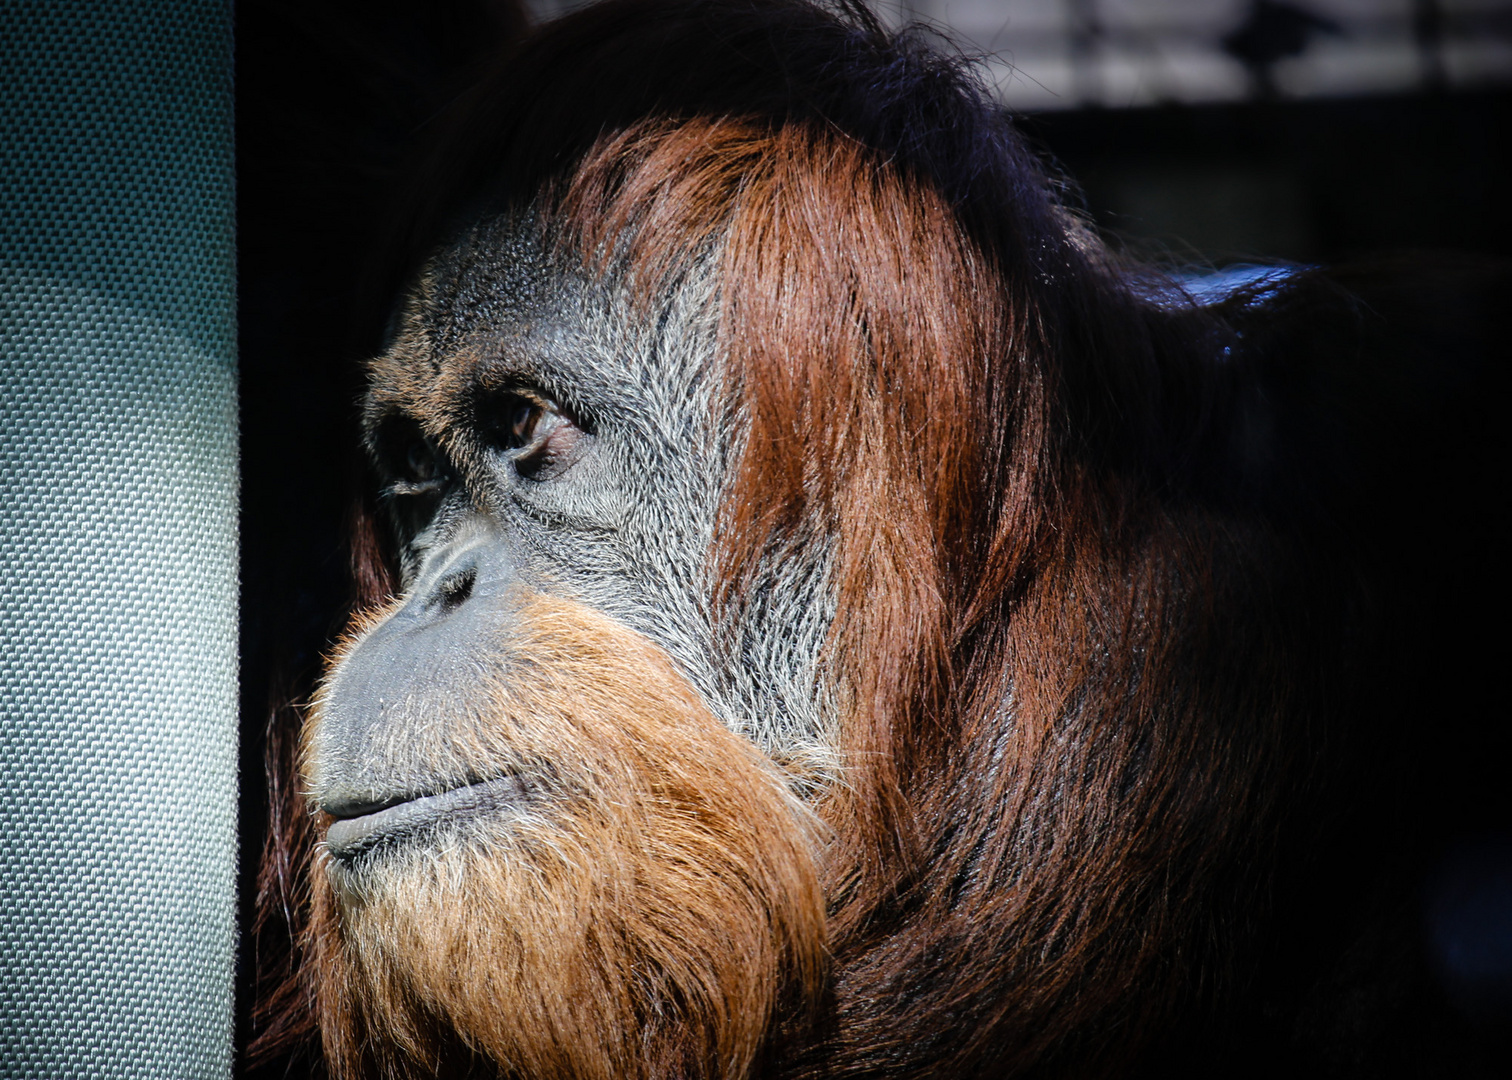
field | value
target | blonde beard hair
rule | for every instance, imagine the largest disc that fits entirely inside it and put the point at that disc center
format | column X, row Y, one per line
column 647, row 916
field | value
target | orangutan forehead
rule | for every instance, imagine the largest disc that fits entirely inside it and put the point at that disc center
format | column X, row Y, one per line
column 505, row 305
column 619, row 250
column 492, row 290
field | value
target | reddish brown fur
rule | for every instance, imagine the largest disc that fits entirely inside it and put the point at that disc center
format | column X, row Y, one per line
column 1023, row 864
column 856, row 326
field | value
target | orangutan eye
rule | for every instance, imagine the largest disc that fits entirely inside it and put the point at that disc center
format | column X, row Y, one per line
column 514, row 421
column 539, row 438
column 420, row 465
column 411, row 461
column 522, row 418
column 524, row 424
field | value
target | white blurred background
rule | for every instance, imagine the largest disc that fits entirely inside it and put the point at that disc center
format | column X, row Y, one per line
column 1064, row 54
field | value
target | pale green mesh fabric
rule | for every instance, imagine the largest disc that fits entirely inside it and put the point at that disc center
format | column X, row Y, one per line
column 117, row 539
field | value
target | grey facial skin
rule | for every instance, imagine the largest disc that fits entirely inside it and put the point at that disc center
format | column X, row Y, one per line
column 380, row 744
column 613, row 502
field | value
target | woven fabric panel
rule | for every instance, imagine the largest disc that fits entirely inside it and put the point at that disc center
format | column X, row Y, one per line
column 117, row 540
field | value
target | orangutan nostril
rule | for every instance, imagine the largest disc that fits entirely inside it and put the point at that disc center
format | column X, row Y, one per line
column 454, row 589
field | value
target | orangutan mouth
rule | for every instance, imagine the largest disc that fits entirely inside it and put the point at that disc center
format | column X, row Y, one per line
column 361, row 826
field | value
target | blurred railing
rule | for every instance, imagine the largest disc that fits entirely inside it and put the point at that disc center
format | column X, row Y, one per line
column 1065, row 54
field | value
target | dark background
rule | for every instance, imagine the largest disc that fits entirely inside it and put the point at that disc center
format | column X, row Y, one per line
column 1322, row 180
column 332, row 95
